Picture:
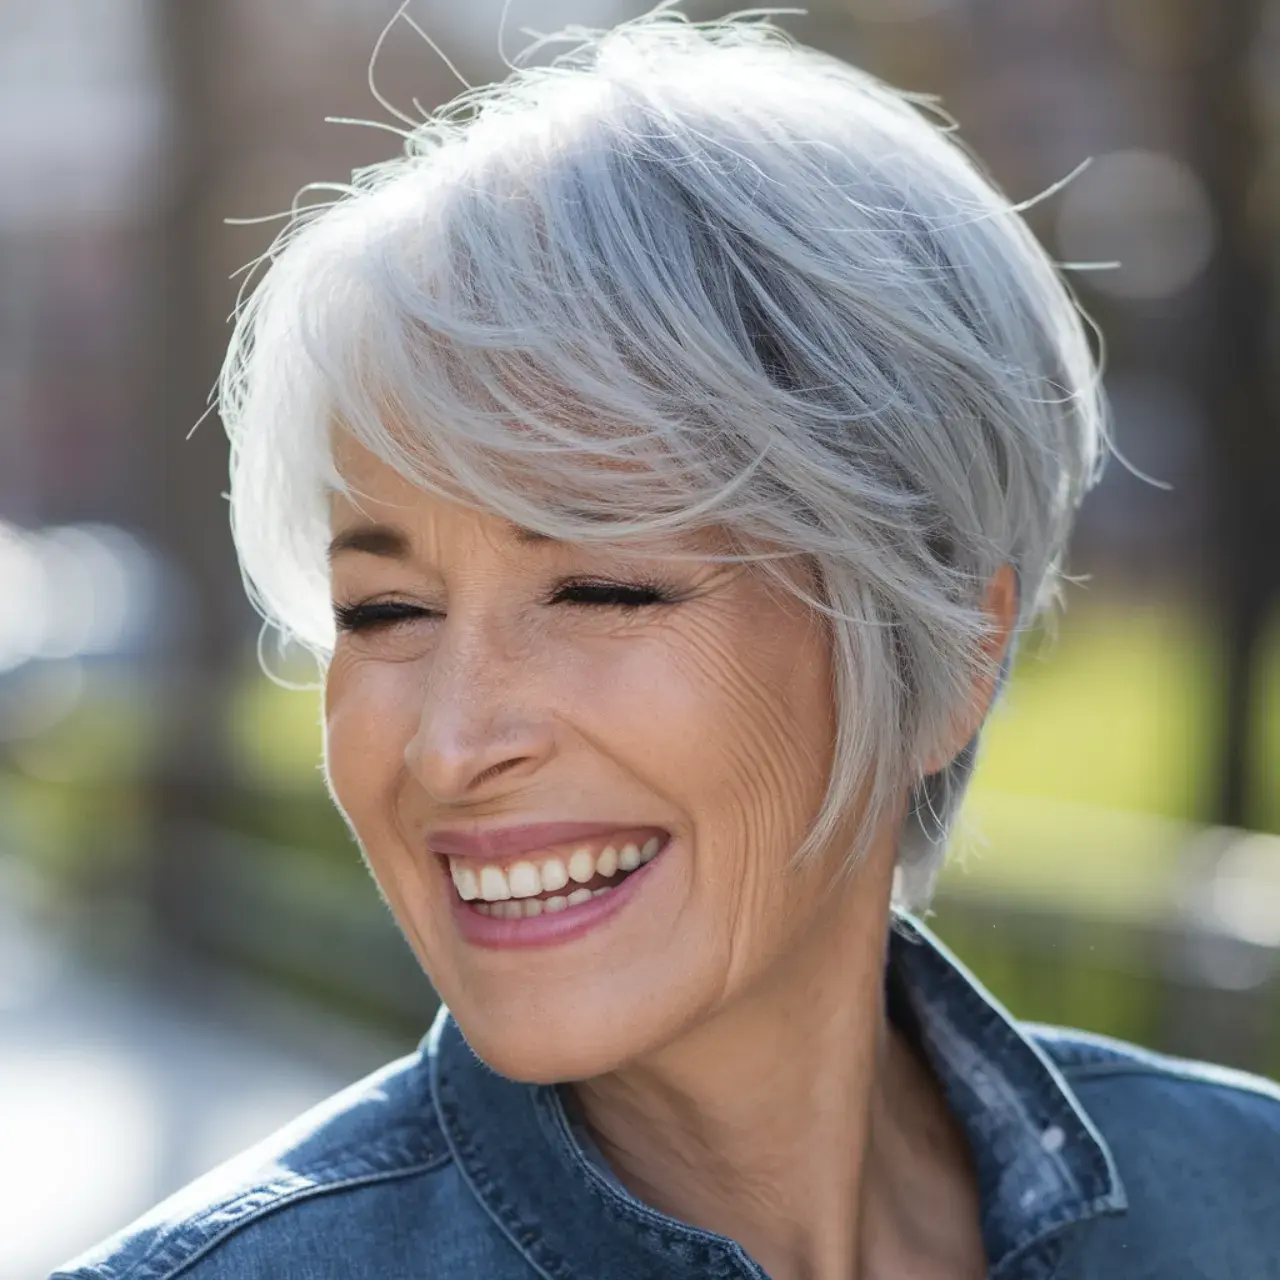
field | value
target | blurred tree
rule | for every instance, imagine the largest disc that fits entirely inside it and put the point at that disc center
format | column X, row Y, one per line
column 186, row 469
column 1237, row 367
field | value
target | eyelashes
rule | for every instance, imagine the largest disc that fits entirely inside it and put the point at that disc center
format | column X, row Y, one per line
column 617, row 595
column 367, row 617
column 628, row 596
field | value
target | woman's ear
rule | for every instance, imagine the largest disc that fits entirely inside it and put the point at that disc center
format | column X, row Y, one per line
column 1000, row 604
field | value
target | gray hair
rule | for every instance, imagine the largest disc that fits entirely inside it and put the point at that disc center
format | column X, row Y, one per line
column 690, row 275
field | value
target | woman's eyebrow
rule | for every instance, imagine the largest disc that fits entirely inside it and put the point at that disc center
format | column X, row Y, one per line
column 529, row 537
column 373, row 540
column 392, row 543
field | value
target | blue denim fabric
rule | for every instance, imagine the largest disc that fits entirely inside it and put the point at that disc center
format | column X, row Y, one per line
column 1095, row 1161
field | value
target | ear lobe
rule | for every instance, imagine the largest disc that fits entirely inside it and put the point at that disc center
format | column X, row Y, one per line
column 1000, row 604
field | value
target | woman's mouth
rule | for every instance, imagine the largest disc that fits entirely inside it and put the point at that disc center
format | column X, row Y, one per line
column 554, row 894
column 550, row 881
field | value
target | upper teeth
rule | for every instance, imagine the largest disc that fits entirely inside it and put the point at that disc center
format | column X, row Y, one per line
column 549, row 873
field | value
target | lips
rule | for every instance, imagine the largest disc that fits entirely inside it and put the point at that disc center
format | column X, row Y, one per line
column 498, row 843
column 493, row 912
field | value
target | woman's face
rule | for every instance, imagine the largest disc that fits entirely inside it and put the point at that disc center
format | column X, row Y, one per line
column 482, row 682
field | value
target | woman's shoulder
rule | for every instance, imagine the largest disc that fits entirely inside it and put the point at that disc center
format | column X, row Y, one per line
column 1197, row 1149
column 320, row 1185
column 1098, row 1065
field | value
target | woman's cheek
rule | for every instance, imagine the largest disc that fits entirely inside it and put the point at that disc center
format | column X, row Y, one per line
column 368, row 720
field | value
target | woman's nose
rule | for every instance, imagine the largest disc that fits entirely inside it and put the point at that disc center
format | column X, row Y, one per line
column 479, row 725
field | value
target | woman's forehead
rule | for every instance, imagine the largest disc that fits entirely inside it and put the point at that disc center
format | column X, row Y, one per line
column 380, row 495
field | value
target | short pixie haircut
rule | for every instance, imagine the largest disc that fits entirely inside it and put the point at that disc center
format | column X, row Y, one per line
column 693, row 275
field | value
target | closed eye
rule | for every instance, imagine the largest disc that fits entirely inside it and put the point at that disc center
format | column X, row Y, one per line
column 612, row 594
column 356, row 618
column 381, row 613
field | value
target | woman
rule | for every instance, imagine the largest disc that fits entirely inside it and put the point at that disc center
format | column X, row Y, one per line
column 680, row 439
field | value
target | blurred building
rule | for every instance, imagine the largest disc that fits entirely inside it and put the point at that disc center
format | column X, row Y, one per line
column 81, row 124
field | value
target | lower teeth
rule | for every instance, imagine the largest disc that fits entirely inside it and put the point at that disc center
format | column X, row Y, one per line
column 522, row 908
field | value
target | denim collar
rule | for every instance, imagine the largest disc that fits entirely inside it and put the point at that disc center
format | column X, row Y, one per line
column 1041, row 1164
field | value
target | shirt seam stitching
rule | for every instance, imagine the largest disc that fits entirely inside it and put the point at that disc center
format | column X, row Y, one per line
column 1057, row 1232
column 1093, row 1070
column 156, row 1266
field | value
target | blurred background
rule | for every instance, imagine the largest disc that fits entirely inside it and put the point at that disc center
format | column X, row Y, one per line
column 190, row 948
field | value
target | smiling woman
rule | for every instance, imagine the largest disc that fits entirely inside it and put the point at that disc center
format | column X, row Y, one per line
column 663, row 457
column 665, row 722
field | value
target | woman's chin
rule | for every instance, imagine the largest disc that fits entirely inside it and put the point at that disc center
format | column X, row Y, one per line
column 544, row 1051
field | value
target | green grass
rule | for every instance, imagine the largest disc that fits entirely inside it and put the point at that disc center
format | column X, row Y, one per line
column 275, row 736
column 1119, row 714
column 1099, row 759
column 1104, row 863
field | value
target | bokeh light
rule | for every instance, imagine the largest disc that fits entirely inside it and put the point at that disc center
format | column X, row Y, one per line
column 75, row 591
column 1146, row 211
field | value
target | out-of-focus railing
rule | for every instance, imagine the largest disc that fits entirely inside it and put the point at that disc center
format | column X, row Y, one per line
column 1175, row 985
column 1178, row 948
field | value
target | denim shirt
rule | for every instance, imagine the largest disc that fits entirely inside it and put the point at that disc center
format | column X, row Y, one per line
column 1095, row 1160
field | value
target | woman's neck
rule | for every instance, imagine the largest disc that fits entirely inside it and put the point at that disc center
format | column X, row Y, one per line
column 797, row 1122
